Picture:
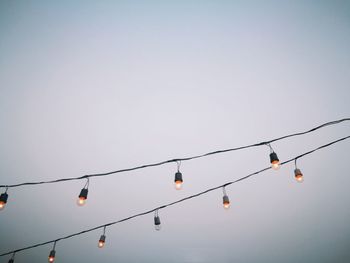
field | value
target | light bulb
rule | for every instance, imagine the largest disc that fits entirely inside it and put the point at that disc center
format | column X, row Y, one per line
column 178, row 181
column 275, row 162
column 102, row 241
column 298, row 175
column 3, row 200
column 52, row 255
column 226, row 202
column 81, row 201
column 82, row 197
column 178, row 185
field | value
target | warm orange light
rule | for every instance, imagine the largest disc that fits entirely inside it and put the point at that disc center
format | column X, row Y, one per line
column 225, row 200
column 299, row 178
column 227, row 205
column 101, row 244
column 2, row 205
column 298, row 175
column 178, row 185
column 51, row 259
column 81, row 201
column 275, row 165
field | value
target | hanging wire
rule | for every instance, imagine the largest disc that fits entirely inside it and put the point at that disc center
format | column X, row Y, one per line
column 6, row 188
column 178, row 163
column 180, row 159
column 175, row 202
column 86, row 186
column 224, row 190
column 269, row 145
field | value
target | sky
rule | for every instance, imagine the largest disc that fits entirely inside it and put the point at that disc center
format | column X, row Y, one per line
column 96, row 86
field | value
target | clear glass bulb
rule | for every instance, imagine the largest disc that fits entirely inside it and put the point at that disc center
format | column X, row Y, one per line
column 81, row 201
column 101, row 244
column 227, row 205
column 178, row 185
column 275, row 165
column 299, row 178
column 157, row 227
column 2, row 205
column 51, row 259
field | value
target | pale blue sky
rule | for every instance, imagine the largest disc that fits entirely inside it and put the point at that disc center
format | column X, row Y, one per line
column 94, row 86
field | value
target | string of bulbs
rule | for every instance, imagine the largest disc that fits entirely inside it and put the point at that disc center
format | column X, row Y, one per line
column 178, row 176
column 275, row 164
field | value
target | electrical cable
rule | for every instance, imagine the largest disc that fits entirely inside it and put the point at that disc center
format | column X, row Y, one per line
column 177, row 160
column 175, row 202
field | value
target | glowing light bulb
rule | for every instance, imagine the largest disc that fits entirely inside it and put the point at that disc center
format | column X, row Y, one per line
column 275, row 162
column 226, row 202
column 52, row 255
column 102, row 241
column 178, row 185
column 81, row 201
column 157, row 224
column 298, row 175
column 3, row 200
column 178, row 181
column 82, row 197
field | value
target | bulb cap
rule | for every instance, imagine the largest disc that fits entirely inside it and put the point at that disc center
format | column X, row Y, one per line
column 178, row 177
column 102, row 238
column 273, row 158
column 3, row 198
column 84, row 193
column 225, row 199
column 157, row 220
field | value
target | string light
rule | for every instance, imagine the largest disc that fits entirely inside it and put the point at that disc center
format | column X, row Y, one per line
column 83, row 194
column 297, row 173
column 275, row 162
column 178, row 177
column 225, row 199
column 3, row 199
column 102, row 241
column 335, row 122
column 52, row 253
column 157, row 224
column 12, row 259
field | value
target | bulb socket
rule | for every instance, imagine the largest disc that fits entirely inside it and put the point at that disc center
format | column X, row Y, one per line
column 84, row 193
column 11, row 260
column 298, row 175
column 225, row 200
column 102, row 239
column 297, row 172
column 178, row 177
column 3, row 198
column 52, row 254
column 157, row 220
column 273, row 158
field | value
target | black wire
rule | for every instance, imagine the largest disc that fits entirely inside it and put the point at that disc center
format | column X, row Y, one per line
column 175, row 202
column 177, row 160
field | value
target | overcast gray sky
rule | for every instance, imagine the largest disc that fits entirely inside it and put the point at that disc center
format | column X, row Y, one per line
column 96, row 86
